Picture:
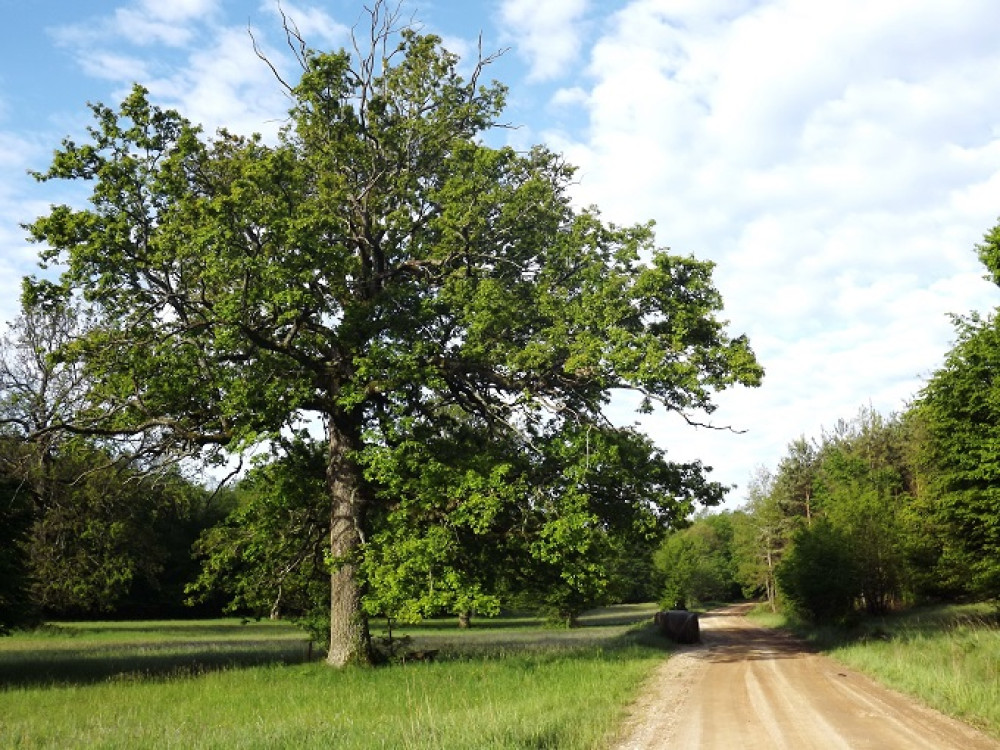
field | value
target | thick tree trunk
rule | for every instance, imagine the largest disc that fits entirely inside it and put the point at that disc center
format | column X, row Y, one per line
column 350, row 642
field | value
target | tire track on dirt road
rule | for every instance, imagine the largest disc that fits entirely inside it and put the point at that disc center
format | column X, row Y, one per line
column 754, row 688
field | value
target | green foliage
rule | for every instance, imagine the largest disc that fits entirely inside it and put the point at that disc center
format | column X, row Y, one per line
column 379, row 263
column 917, row 495
column 269, row 556
column 106, row 538
column 864, row 493
column 761, row 532
column 601, row 498
column 696, row 563
column 859, row 482
column 959, row 409
column 100, row 525
column 818, row 575
column 796, row 478
column 451, row 494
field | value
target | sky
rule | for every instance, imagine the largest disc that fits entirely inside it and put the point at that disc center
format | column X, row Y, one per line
column 838, row 162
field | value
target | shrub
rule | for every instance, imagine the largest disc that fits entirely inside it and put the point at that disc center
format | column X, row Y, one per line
column 819, row 575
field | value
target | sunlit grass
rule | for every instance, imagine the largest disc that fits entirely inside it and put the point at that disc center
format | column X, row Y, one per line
column 94, row 651
column 559, row 690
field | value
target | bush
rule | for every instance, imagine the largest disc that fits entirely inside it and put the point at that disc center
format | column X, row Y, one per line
column 819, row 575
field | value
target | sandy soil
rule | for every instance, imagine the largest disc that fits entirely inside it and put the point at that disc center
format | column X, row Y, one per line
column 746, row 687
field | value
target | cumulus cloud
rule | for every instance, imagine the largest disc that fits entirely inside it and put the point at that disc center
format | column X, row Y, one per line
column 225, row 84
column 838, row 161
column 119, row 68
column 19, row 202
column 188, row 58
column 315, row 25
column 547, row 33
column 179, row 10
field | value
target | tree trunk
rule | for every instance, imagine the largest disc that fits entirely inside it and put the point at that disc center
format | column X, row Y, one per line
column 465, row 619
column 350, row 642
column 770, row 582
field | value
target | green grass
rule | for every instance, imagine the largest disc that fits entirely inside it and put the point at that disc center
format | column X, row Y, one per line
column 82, row 652
column 947, row 656
column 501, row 685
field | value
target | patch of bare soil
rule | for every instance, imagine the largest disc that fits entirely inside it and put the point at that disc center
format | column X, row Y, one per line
column 748, row 687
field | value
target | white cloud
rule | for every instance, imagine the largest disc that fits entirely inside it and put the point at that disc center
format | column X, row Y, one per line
column 319, row 29
column 839, row 161
column 547, row 33
column 124, row 69
column 226, row 85
column 140, row 28
column 144, row 24
column 180, row 10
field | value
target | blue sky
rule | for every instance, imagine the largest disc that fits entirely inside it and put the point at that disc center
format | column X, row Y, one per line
column 838, row 161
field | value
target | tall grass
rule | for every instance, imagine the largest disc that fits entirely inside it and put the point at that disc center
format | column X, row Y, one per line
column 561, row 691
column 947, row 656
column 83, row 652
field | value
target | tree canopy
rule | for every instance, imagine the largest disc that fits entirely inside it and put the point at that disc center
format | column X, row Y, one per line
column 381, row 271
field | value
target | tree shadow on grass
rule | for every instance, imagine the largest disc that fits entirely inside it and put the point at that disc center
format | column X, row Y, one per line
column 44, row 667
column 610, row 632
column 542, row 643
column 613, row 616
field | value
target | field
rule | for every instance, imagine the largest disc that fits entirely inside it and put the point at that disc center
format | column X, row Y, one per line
column 946, row 656
column 505, row 683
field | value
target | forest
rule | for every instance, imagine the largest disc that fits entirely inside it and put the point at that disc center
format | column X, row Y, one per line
column 878, row 512
column 397, row 343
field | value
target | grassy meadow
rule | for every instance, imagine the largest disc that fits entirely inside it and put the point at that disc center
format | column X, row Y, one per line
column 946, row 656
column 505, row 683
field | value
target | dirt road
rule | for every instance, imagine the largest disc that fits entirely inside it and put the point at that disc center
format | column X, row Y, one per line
column 746, row 687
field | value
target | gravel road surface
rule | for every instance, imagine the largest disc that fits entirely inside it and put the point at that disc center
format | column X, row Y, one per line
column 746, row 687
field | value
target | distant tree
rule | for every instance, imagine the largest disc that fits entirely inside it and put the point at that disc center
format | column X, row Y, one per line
column 601, row 496
column 95, row 532
column 696, row 563
column 818, row 575
column 960, row 407
column 863, row 491
column 938, row 564
column 379, row 262
column 268, row 557
column 16, row 607
column 761, row 532
column 449, row 534
column 958, row 412
column 795, row 479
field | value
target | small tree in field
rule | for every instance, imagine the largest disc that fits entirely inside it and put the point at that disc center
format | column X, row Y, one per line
column 378, row 266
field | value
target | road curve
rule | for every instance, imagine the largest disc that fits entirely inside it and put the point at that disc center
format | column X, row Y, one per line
column 747, row 687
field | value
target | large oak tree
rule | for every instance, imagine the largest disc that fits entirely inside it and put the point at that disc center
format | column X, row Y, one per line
column 377, row 263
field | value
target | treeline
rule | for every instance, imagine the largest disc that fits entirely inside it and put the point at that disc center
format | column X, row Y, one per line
column 100, row 526
column 879, row 511
column 91, row 531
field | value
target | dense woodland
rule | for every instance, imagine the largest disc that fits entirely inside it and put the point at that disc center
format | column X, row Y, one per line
column 411, row 336
column 878, row 512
